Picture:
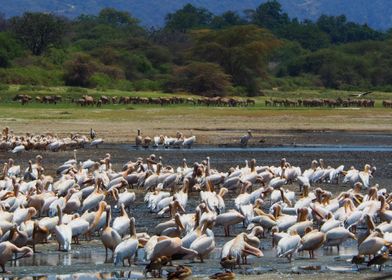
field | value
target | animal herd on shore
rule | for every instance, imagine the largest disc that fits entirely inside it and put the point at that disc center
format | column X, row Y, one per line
column 87, row 100
column 283, row 203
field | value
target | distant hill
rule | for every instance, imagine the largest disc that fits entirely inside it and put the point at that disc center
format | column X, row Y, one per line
column 376, row 13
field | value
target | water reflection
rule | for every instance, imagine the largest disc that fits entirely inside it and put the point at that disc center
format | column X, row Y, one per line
column 80, row 276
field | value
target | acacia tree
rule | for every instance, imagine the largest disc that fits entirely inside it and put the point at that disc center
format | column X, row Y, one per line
column 201, row 78
column 187, row 18
column 79, row 70
column 242, row 51
column 38, row 31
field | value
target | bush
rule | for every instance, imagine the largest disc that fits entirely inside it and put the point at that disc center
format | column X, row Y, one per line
column 4, row 87
column 77, row 90
column 100, row 80
column 145, row 84
column 79, row 70
column 124, row 85
column 201, row 78
column 31, row 88
column 31, row 75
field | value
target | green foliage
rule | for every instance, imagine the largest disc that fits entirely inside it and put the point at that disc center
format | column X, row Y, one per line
column 200, row 78
column 4, row 87
column 242, row 52
column 189, row 17
column 269, row 15
column 79, row 70
column 38, row 31
column 341, row 31
column 116, row 18
column 227, row 19
column 9, row 49
column 100, row 80
column 31, row 75
column 264, row 49
column 356, row 65
column 76, row 90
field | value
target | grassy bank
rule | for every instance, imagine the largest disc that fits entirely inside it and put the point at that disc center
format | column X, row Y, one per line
column 212, row 125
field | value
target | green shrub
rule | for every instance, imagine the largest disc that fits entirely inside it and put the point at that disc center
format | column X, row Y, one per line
column 124, row 85
column 100, row 80
column 77, row 90
column 31, row 75
column 142, row 85
column 4, row 87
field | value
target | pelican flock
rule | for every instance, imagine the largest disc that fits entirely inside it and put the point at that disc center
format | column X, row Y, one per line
column 192, row 206
column 19, row 143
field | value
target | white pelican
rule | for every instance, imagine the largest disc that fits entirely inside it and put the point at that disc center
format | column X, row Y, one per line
column 288, row 246
column 8, row 250
column 127, row 248
column 63, row 233
column 311, row 241
column 229, row 218
column 96, row 142
column 122, row 222
column 336, row 236
column 110, row 238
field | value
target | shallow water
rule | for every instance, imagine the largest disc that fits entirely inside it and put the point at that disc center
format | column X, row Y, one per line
column 290, row 148
column 87, row 261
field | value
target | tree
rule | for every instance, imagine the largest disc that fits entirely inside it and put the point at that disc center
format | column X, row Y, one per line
column 188, row 17
column 38, row 30
column 3, row 22
column 9, row 49
column 227, row 19
column 342, row 31
column 203, row 78
column 79, row 70
column 242, row 51
column 269, row 15
column 306, row 33
column 116, row 18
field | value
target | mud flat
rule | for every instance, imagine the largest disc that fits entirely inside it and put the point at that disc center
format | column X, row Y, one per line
column 86, row 261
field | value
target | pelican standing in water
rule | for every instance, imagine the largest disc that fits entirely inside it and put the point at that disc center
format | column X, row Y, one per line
column 127, row 248
column 7, row 251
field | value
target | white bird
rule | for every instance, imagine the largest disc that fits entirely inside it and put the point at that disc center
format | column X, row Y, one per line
column 63, row 233
column 18, row 149
column 127, row 248
column 188, row 142
column 96, row 142
column 288, row 245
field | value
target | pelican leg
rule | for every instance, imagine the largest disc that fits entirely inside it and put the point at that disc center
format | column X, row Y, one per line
column 129, row 261
column 3, row 269
column 106, row 254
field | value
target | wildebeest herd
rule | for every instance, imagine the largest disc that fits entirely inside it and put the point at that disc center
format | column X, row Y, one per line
column 87, row 100
column 318, row 102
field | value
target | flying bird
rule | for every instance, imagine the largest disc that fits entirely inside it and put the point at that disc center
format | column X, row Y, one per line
column 361, row 94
